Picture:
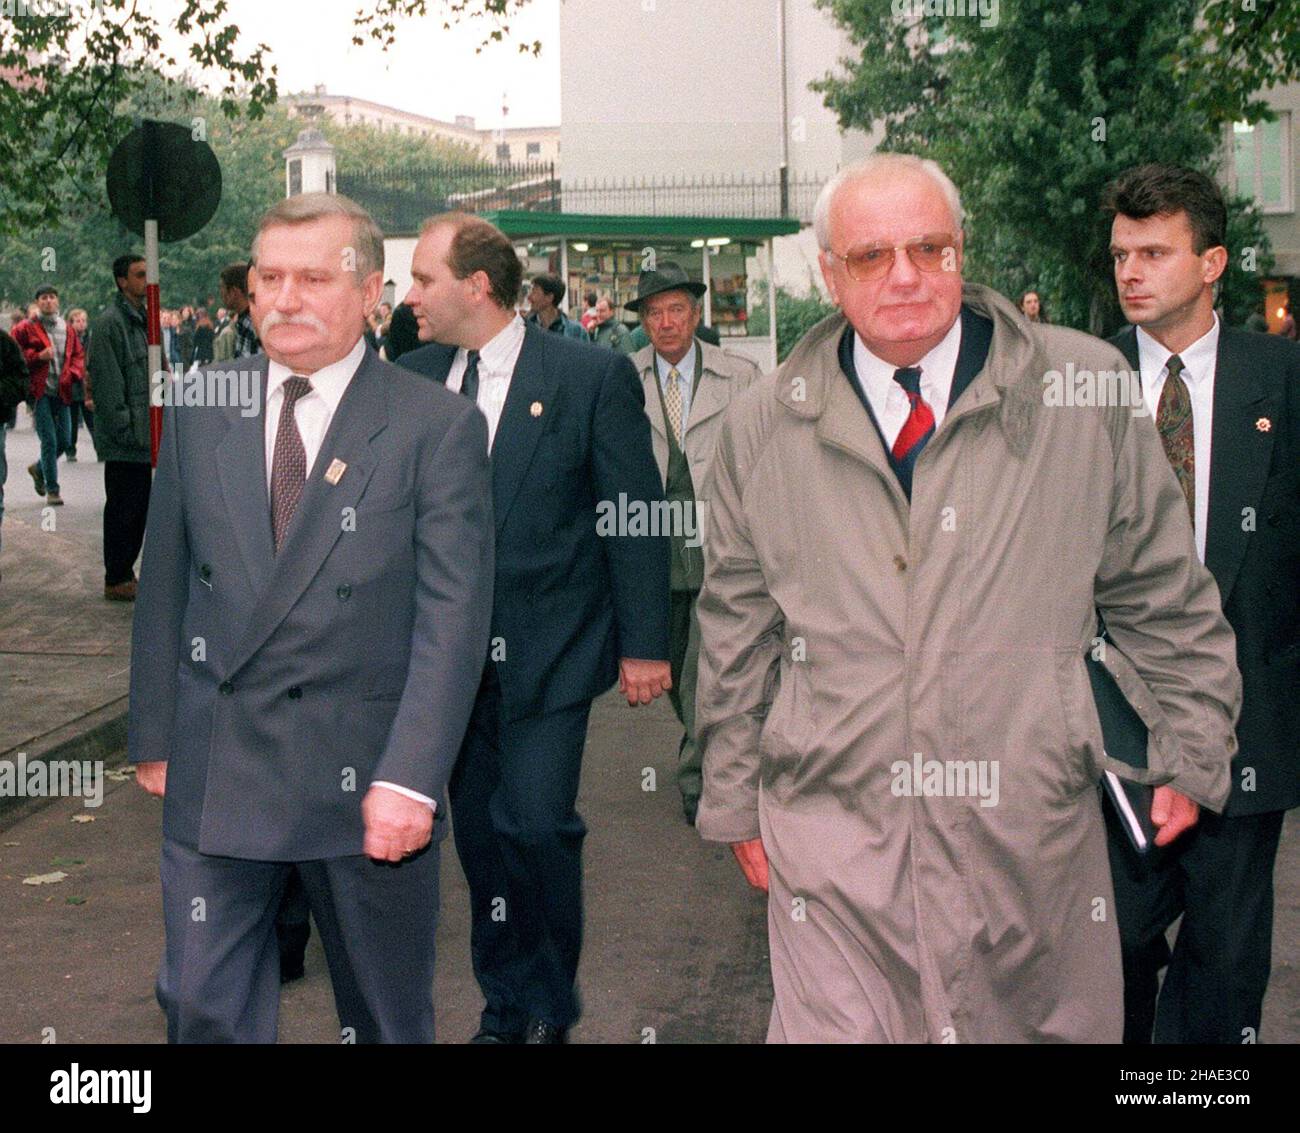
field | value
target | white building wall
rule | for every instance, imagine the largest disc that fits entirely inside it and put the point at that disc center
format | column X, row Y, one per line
column 666, row 88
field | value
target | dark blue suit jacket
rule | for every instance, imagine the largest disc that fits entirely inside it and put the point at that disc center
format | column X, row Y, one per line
column 1252, row 547
column 569, row 602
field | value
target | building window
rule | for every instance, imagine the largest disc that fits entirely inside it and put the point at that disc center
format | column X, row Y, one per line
column 534, row 149
column 295, row 177
column 1262, row 162
column 503, row 152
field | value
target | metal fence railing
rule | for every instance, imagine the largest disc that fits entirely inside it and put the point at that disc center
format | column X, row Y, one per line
column 401, row 197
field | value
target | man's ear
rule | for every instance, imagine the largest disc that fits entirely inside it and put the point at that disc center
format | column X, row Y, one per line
column 827, row 263
column 1214, row 263
column 372, row 288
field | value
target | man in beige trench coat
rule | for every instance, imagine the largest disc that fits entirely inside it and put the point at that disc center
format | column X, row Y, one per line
column 914, row 521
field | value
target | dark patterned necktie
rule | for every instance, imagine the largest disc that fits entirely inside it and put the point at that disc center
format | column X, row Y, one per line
column 1174, row 421
column 469, row 383
column 289, row 462
column 919, row 426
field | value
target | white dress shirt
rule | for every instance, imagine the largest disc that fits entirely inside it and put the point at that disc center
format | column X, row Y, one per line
column 1198, row 372
column 887, row 398
column 686, row 378
column 313, row 413
column 496, row 366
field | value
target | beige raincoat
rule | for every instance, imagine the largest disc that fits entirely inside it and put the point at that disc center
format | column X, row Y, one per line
column 895, row 696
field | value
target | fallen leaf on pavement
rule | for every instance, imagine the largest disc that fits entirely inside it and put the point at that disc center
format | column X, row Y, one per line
column 45, row 878
column 83, row 818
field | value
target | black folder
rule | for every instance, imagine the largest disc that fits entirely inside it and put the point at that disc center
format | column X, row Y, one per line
column 1124, row 737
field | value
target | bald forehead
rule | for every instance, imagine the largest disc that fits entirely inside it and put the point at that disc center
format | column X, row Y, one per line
column 890, row 199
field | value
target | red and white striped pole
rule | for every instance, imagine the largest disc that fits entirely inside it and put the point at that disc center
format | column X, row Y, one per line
column 153, row 320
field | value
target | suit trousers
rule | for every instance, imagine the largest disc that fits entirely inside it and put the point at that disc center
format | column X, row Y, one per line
column 519, row 839
column 220, row 981
column 684, row 663
column 126, row 507
column 1219, row 876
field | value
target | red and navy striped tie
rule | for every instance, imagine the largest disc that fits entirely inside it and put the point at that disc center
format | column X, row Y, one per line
column 916, row 430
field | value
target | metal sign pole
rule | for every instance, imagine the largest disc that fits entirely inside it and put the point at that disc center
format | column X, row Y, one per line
column 157, row 376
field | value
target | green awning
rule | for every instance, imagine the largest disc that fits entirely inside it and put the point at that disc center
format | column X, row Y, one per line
column 523, row 225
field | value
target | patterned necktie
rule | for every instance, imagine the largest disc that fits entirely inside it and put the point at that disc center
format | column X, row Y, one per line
column 919, row 426
column 1174, row 422
column 469, row 383
column 673, row 403
column 289, row 463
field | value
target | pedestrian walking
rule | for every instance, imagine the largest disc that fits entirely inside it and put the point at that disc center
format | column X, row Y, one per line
column 119, row 379
column 908, row 545
column 54, row 360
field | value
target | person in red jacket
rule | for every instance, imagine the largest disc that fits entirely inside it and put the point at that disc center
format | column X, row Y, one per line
column 55, row 359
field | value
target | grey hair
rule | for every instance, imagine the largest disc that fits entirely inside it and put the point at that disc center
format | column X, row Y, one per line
column 367, row 239
column 878, row 163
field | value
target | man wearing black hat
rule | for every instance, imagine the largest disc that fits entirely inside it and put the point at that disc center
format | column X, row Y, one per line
column 688, row 383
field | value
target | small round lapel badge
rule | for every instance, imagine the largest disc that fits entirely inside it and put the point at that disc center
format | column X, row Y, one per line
column 535, row 409
column 1263, row 424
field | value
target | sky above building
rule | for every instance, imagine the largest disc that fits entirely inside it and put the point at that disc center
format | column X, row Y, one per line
column 427, row 71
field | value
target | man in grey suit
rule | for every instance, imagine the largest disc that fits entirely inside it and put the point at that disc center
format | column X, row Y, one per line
column 311, row 625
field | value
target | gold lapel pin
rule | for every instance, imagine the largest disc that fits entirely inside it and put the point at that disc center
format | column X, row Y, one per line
column 1263, row 424
column 535, row 409
column 334, row 473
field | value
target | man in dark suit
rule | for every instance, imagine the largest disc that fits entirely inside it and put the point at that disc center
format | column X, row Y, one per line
column 576, row 605
column 313, row 604
column 1227, row 405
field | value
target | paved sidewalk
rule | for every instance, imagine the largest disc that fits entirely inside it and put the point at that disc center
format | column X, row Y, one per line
column 64, row 650
column 675, row 944
column 675, row 941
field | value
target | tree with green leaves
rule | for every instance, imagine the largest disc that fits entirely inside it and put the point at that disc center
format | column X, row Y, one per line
column 72, row 76
column 75, row 250
column 1031, row 113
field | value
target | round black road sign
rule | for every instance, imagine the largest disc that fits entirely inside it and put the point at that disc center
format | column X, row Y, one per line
column 159, row 171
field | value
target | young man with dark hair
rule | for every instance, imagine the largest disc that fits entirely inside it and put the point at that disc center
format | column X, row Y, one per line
column 1226, row 403
column 544, row 306
column 119, row 379
column 55, row 359
column 574, row 609
column 238, row 338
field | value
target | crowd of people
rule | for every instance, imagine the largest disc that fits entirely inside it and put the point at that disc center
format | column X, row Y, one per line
column 898, row 588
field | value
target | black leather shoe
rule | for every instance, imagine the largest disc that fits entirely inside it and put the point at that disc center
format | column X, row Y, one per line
column 291, row 969
column 542, row 1033
column 486, row 1037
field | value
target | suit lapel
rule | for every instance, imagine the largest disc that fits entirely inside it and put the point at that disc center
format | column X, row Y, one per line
column 519, row 429
column 651, row 390
column 710, row 396
column 1239, row 456
column 241, row 461
column 318, row 522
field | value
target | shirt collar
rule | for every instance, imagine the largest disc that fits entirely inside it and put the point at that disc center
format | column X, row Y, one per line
column 686, row 367
column 500, row 352
column 938, row 366
column 329, row 382
column 1198, row 358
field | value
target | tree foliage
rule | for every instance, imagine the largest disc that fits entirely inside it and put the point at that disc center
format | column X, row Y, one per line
column 1246, row 46
column 380, row 21
column 1032, row 114
column 74, row 251
column 72, row 73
